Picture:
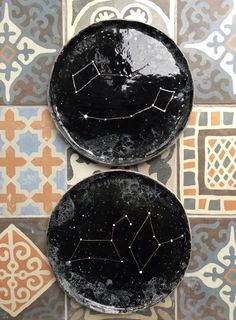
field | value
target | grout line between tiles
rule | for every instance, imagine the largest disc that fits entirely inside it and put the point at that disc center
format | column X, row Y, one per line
column 24, row 216
column 66, row 313
column 63, row 18
column 176, row 300
column 176, row 21
column 23, row 106
column 232, row 216
column 210, row 106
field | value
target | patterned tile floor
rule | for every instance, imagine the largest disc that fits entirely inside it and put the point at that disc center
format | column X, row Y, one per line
column 37, row 166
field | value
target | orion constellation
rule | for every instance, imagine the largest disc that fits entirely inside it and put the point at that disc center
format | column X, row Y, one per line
column 95, row 73
column 111, row 241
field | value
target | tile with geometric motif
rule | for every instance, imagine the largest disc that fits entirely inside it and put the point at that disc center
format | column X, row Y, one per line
column 80, row 14
column 207, row 35
column 164, row 310
column 32, row 161
column 207, row 154
column 30, row 37
column 24, row 271
column 208, row 290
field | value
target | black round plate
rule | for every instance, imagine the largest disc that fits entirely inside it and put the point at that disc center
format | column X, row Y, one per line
column 118, row 242
column 120, row 92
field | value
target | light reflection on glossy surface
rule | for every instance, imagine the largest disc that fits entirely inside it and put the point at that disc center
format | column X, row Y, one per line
column 103, row 84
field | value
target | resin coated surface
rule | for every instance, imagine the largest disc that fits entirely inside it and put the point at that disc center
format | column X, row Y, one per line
column 118, row 242
column 120, row 92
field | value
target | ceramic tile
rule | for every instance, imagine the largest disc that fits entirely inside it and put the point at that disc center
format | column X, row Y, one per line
column 162, row 311
column 30, row 291
column 79, row 167
column 157, row 13
column 163, row 168
column 32, row 161
column 206, row 34
column 208, row 289
column 207, row 162
column 30, row 37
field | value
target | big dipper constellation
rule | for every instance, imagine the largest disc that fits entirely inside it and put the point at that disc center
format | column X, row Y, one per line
column 170, row 94
column 130, row 247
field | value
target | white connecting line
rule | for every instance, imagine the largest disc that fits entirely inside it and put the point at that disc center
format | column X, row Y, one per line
column 111, row 241
column 131, row 75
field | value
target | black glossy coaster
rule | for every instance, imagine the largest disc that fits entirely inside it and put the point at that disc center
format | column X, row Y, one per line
column 120, row 92
column 118, row 242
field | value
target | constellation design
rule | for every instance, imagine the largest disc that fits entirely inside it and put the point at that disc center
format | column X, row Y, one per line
column 130, row 247
column 110, row 241
column 159, row 244
column 79, row 85
column 80, row 82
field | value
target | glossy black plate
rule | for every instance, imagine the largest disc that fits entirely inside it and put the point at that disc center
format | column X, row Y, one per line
column 120, row 92
column 118, row 242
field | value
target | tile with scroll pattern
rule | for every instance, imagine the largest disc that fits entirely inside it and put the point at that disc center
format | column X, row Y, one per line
column 79, row 167
column 50, row 303
column 208, row 290
column 162, row 311
column 162, row 168
column 207, row 156
column 80, row 14
column 30, row 37
column 206, row 34
column 24, row 271
column 32, row 161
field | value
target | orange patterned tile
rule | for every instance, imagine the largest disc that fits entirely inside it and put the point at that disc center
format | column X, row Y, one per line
column 47, row 161
column 9, row 125
column 12, row 198
column 24, row 271
column 47, row 197
column 10, row 162
column 45, row 124
column 213, row 178
column 32, row 154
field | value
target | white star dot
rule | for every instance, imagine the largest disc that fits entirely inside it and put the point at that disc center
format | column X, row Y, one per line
column 140, row 271
column 85, row 116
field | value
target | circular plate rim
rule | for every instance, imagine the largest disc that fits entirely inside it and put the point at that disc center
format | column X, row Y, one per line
column 67, row 136
column 88, row 303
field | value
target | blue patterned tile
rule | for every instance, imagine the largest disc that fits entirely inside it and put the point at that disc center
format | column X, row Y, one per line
column 30, row 37
column 208, row 290
column 207, row 36
column 32, row 161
